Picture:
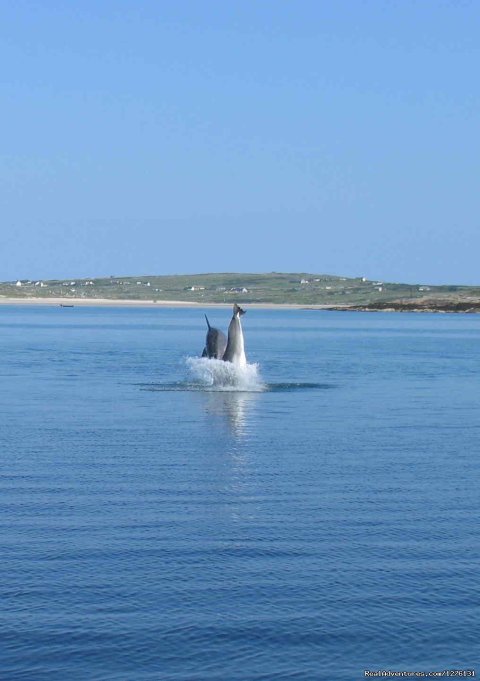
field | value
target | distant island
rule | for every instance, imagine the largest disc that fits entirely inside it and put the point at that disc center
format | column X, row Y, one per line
column 316, row 291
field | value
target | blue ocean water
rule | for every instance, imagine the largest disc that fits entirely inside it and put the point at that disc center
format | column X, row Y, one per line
column 322, row 523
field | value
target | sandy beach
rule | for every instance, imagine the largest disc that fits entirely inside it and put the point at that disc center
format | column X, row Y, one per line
column 470, row 306
column 106, row 302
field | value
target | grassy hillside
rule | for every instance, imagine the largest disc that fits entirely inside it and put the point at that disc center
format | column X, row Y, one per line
column 300, row 288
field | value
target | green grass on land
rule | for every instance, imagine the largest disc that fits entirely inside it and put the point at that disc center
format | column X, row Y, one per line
column 295, row 288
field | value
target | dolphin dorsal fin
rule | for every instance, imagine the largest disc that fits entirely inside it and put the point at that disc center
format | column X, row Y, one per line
column 208, row 323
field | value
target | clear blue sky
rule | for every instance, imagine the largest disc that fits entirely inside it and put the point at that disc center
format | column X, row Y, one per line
column 240, row 135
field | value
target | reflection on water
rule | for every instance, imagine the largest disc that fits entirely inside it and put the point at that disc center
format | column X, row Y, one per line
column 229, row 390
column 233, row 408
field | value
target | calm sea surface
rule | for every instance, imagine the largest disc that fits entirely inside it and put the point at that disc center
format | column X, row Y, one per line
column 154, row 528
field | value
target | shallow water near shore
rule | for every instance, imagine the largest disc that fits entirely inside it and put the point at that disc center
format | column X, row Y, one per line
column 315, row 521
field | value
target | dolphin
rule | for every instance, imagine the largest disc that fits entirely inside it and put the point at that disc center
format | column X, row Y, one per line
column 235, row 351
column 215, row 343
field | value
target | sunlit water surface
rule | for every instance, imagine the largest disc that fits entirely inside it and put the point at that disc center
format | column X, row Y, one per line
column 162, row 518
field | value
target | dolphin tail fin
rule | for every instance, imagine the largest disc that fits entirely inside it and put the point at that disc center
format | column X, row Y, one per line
column 238, row 310
column 208, row 323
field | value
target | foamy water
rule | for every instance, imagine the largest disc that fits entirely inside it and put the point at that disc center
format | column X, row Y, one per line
column 215, row 374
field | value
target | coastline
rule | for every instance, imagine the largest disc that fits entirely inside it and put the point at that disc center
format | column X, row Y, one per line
column 108, row 302
column 445, row 307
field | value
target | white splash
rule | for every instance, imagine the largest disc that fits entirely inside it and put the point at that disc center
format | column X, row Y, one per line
column 215, row 374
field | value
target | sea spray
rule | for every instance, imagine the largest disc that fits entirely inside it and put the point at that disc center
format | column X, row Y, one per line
column 215, row 374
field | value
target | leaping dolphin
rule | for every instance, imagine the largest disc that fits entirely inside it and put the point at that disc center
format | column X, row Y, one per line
column 235, row 351
column 215, row 343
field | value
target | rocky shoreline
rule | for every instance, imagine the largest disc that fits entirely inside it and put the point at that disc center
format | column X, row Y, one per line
column 464, row 306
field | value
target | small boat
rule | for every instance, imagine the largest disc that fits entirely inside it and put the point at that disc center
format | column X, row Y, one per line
column 63, row 305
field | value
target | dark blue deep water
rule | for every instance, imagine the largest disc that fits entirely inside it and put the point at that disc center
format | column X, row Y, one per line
column 152, row 529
